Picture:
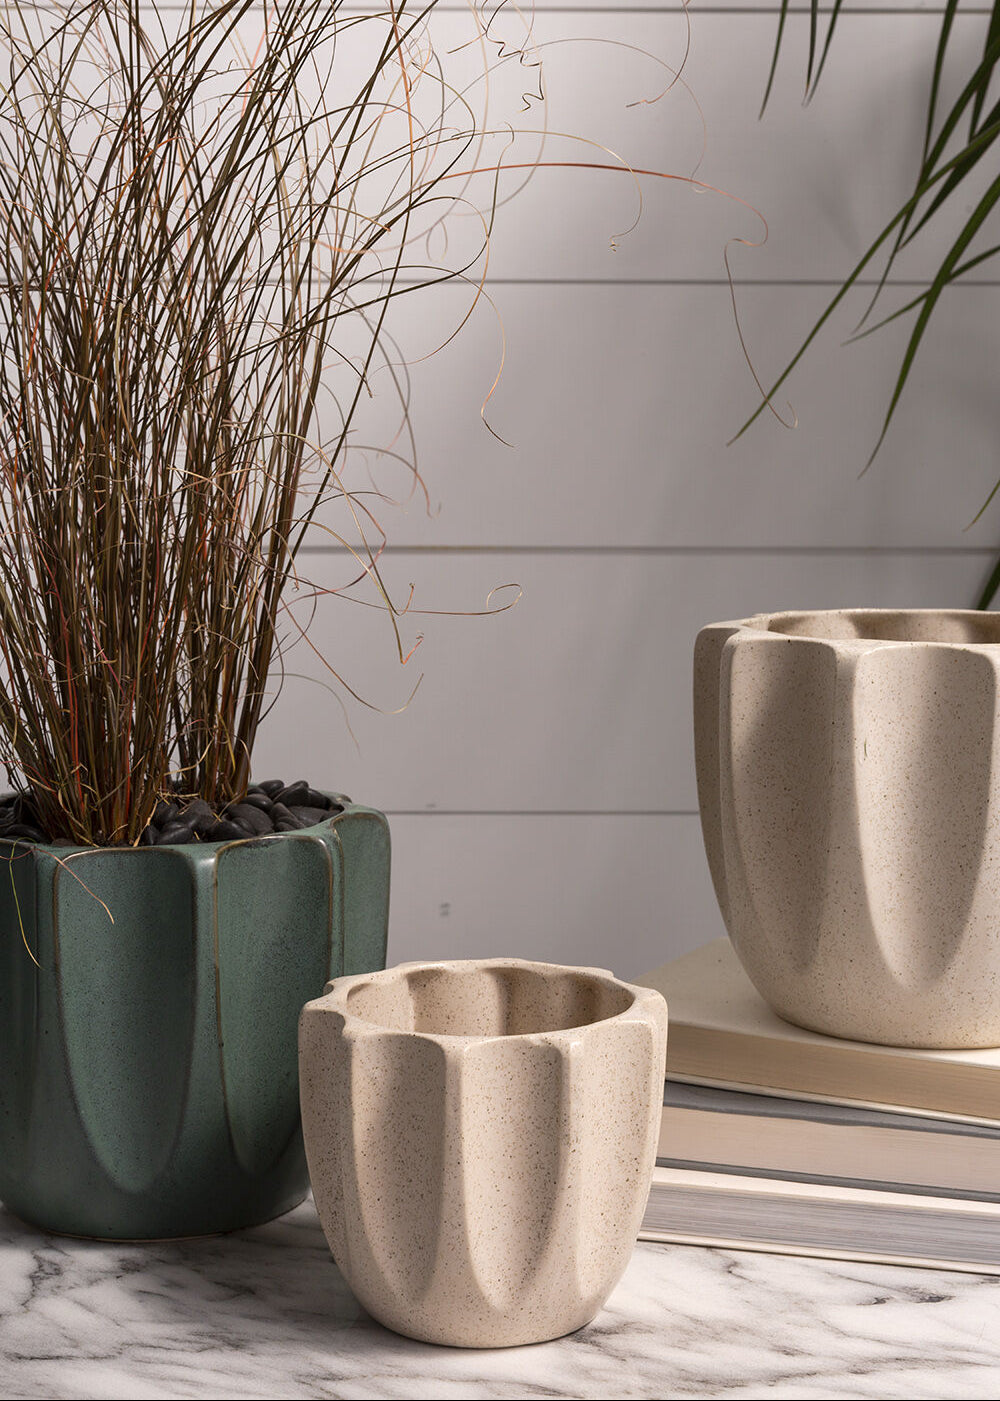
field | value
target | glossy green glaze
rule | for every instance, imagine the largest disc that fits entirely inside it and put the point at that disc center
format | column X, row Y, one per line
column 148, row 1064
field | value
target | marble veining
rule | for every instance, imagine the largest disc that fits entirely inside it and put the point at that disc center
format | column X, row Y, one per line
column 265, row 1314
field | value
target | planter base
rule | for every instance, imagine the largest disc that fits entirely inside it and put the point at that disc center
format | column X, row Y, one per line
column 148, row 1240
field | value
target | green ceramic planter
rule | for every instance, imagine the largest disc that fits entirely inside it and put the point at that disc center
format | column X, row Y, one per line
column 148, row 1075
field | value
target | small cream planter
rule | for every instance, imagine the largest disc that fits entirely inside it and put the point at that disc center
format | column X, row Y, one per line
column 480, row 1138
column 849, row 784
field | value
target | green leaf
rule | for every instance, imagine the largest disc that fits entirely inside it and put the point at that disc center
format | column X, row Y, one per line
column 826, row 46
column 852, row 278
column 965, row 158
column 960, row 172
column 992, row 35
column 901, row 311
column 777, row 50
column 943, row 276
column 946, row 24
column 813, row 31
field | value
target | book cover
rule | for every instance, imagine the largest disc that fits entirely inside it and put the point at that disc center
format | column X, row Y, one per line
column 722, row 1032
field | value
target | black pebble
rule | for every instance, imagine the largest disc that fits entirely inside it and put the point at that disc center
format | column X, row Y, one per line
column 294, row 793
column 271, row 806
column 258, row 800
column 251, row 818
column 200, row 815
column 25, row 832
column 309, row 816
column 179, row 831
column 164, row 812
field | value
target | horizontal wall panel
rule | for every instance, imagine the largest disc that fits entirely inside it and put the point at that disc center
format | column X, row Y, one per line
column 626, row 6
column 695, row 7
column 902, row 6
column 802, row 7
column 577, row 699
column 824, row 177
column 618, row 893
column 617, row 403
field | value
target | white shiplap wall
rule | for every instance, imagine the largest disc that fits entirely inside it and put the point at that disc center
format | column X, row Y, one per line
column 540, row 785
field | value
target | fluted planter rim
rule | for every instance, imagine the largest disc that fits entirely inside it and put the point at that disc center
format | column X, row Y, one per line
column 815, row 625
column 60, row 852
column 336, row 998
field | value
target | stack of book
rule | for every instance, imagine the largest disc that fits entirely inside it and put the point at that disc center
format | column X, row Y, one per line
column 779, row 1139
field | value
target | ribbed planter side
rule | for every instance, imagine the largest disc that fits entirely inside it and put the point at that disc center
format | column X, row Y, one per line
column 481, row 1180
column 148, row 1062
column 849, row 783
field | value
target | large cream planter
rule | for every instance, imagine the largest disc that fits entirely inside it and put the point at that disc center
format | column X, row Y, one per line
column 849, row 784
column 481, row 1136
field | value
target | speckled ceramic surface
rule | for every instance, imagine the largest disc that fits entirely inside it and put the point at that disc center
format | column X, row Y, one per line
column 849, row 784
column 148, row 1067
column 480, row 1138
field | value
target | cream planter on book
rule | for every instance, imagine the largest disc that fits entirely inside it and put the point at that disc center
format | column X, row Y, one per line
column 480, row 1138
column 849, row 784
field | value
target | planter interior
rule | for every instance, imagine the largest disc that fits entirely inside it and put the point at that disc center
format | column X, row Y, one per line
column 888, row 625
column 483, row 1000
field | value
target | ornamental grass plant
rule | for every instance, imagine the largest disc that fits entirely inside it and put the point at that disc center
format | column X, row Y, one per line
column 201, row 210
column 208, row 214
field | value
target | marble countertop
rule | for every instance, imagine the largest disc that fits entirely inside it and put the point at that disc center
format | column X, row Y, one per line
column 265, row 1313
